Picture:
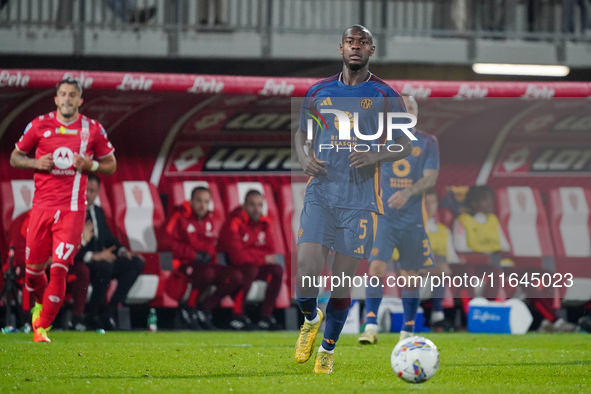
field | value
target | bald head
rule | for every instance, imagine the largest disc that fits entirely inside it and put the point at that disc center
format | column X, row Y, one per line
column 411, row 105
column 358, row 30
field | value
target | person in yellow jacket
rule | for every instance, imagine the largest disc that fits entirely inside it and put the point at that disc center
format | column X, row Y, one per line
column 479, row 229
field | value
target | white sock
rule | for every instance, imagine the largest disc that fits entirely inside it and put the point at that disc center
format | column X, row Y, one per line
column 371, row 327
column 437, row 316
column 316, row 319
column 321, row 349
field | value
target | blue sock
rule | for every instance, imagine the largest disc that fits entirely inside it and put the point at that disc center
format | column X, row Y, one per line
column 336, row 315
column 373, row 299
column 410, row 305
column 437, row 298
column 308, row 307
column 308, row 304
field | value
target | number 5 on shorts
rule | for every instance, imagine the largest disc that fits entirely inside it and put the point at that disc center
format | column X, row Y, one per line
column 59, row 251
column 363, row 225
column 427, row 247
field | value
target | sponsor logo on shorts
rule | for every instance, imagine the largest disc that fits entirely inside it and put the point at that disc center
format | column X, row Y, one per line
column 300, row 233
column 375, row 251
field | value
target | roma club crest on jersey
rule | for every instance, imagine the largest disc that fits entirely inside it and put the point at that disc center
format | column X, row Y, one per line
column 366, row 103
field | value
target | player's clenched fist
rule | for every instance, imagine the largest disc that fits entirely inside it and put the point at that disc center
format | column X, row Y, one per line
column 82, row 162
column 313, row 167
column 398, row 199
column 44, row 163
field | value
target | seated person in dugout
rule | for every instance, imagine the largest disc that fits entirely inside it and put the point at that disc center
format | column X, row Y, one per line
column 479, row 231
column 106, row 259
column 194, row 250
column 247, row 240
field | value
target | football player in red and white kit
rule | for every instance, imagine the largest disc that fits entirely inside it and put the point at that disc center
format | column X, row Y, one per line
column 67, row 145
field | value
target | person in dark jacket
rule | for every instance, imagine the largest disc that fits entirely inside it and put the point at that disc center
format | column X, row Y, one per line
column 107, row 259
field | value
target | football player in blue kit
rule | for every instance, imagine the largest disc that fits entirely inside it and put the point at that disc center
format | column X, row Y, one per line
column 343, row 195
column 403, row 227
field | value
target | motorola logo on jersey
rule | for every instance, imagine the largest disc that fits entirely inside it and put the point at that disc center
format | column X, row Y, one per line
column 63, row 158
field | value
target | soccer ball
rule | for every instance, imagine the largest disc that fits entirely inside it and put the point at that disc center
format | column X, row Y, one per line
column 415, row 359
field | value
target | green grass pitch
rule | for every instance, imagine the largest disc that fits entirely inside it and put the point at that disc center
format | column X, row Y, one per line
column 263, row 362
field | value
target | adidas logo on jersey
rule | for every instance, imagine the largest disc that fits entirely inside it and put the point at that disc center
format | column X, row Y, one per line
column 326, row 101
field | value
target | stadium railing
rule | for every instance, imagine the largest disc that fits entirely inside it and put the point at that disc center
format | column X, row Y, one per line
column 556, row 22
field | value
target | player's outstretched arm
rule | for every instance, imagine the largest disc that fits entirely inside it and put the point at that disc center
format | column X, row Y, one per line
column 20, row 160
column 311, row 165
column 107, row 165
column 362, row 159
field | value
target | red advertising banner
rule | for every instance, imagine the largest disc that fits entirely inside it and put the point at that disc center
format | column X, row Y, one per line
column 279, row 86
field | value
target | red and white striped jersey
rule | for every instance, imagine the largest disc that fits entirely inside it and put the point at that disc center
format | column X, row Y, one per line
column 63, row 187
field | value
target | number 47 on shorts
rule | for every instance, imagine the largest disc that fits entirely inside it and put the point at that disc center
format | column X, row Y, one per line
column 64, row 247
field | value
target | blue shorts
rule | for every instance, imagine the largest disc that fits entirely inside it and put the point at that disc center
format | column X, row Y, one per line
column 346, row 231
column 412, row 244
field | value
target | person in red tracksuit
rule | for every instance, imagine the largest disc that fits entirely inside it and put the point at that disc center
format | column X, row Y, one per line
column 193, row 244
column 247, row 241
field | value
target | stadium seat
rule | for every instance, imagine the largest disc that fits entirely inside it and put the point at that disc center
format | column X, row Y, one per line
column 139, row 216
column 524, row 222
column 139, row 222
column 570, row 219
column 17, row 198
column 291, row 199
column 102, row 201
column 181, row 192
column 291, row 202
column 235, row 194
